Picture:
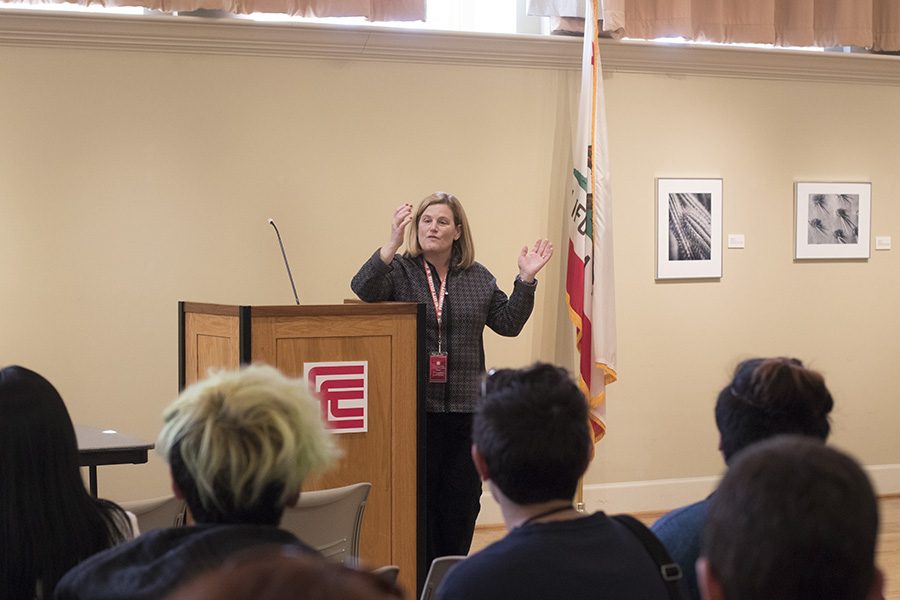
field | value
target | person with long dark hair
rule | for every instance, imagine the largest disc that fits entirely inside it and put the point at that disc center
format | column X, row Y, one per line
column 48, row 521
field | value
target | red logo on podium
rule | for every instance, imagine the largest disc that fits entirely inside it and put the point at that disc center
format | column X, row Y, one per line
column 343, row 388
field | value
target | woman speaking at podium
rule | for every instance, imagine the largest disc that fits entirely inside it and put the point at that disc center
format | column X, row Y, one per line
column 461, row 297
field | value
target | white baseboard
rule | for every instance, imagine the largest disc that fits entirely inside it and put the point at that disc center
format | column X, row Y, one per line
column 885, row 478
column 661, row 495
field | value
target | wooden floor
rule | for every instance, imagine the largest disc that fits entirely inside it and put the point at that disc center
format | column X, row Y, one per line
column 888, row 543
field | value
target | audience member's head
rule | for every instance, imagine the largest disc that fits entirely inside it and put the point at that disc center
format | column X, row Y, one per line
column 531, row 434
column 48, row 522
column 791, row 520
column 239, row 445
column 768, row 397
column 272, row 575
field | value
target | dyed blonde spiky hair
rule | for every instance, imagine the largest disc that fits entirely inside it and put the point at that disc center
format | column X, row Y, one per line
column 245, row 430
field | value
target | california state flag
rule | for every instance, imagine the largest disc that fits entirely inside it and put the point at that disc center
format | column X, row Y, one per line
column 590, row 291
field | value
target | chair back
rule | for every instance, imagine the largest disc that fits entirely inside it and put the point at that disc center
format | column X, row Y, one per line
column 330, row 521
column 157, row 513
column 436, row 573
column 389, row 573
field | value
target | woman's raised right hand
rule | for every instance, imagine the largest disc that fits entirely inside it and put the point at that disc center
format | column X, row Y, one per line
column 403, row 216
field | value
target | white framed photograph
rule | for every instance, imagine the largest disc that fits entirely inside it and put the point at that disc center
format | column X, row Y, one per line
column 833, row 220
column 688, row 228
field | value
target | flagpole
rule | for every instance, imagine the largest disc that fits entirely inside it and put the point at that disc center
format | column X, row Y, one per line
column 590, row 283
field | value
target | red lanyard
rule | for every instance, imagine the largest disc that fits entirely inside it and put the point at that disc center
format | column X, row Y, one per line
column 438, row 300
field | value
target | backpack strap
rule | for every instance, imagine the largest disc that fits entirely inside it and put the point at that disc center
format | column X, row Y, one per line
column 669, row 570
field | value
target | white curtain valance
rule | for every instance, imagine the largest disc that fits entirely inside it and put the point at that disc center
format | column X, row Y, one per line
column 373, row 10
column 871, row 24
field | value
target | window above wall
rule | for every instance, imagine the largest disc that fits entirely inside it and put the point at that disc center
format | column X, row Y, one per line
column 504, row 16
column 481, row 16
column 529, row 17
column 872, row 24
column 67, row 7
column 163, row 33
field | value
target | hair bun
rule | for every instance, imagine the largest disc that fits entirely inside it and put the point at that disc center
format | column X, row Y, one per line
column 785, row 385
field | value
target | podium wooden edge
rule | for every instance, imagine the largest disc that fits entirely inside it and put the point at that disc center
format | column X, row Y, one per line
column 245, row 314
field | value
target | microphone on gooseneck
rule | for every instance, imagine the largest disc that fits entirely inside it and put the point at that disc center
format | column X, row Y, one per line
column 284, row 255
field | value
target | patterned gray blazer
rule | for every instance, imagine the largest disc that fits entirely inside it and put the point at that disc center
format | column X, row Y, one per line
column 472, row 300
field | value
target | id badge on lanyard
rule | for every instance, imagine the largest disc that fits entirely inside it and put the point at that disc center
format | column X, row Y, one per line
column 437, row 367
column 437, row 361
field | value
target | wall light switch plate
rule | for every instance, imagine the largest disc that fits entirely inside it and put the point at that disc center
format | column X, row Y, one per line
column 882, row 242
column 735, row 240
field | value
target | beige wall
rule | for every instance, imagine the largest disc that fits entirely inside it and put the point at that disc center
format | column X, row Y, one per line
column 679, row 341
column 130, row 180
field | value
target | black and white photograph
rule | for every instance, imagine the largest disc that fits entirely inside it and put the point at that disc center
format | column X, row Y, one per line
column 689, row 228
column 832, row 220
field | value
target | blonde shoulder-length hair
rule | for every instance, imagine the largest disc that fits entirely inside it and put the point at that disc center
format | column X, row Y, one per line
column 463, row 248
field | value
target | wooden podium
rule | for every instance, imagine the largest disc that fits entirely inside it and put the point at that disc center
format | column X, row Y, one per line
column 388, row 338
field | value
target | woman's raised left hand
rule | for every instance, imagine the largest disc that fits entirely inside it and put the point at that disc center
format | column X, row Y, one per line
column 532, row 261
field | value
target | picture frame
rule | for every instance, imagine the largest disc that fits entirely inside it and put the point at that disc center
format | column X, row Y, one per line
column 832, row 220
column 688, row 228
